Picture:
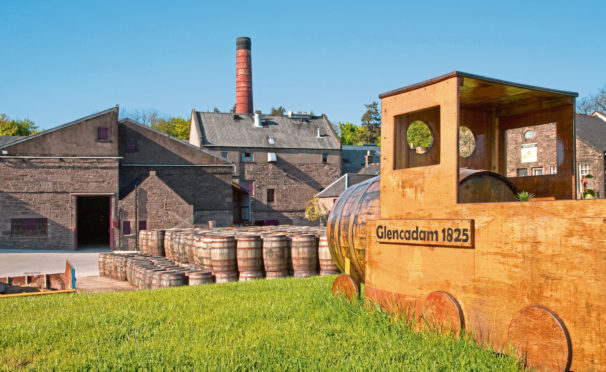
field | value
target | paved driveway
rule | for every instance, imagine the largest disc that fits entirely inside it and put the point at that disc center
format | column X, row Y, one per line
column 17, row 262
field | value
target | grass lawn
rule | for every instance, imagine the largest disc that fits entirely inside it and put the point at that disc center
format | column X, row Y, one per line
column 287, row 324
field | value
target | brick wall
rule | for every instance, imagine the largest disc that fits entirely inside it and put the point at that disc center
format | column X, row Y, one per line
column 44, row 188
column 545, row 138
column 588, row 155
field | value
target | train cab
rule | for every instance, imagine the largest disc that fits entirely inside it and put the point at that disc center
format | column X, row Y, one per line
column 476, row 224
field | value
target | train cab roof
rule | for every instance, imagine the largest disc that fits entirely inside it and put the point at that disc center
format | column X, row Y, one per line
column 519, row 132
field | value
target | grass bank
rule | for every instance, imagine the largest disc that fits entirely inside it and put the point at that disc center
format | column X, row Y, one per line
column 276, row 325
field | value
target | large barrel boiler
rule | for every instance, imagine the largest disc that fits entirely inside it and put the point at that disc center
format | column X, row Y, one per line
column 346, row 228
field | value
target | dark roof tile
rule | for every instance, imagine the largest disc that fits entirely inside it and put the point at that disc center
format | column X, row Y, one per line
column 238, row 130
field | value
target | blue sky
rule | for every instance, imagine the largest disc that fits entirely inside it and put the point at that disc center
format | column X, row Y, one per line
column 62, row 60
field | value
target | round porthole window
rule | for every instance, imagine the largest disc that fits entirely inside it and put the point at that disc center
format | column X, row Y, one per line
column 529, row 134
column 467, row 142
column 419, row 137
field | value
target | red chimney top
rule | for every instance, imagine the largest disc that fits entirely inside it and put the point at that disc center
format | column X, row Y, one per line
column 244, row 103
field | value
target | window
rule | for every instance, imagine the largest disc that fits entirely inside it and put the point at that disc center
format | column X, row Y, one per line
column 537, row 171
column 324, row 158
column 417, row 139
column 553, row 169
column 584, row 169
column 224, row 154
column 521, row 172
column 529, row 134
column 247, row 157
column 131, row 145
column 29, row 227
column 102, row 134
column 270, row 196
column 142, row 225
column 126, row 228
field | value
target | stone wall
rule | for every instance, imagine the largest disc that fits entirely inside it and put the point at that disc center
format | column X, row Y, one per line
column 45, row 188
column 208, row 190
column 155, row 203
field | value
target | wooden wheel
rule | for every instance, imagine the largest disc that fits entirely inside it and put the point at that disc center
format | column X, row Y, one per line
column 541, row 338
column 344, row 285
column 441, row 311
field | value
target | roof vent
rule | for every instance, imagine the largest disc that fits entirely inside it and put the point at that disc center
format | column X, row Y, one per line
column 319, row 135
column 271, row 140
column 299, row 114
column 258, row 119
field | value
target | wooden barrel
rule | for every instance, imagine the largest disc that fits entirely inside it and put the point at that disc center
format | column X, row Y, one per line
column 275, row 256
column 304, row 255
column 224, row 260
column 102, row 261
column 481, row 186
column 200, row 277
column 155, row 242
column 168, row 247
column 142, row 241
column 346, row 227
column 250, row 257
column 189, row 247
column 207, row 264
column 156, row 281
column 327, row 265
column 198, row 250
column 172, row 279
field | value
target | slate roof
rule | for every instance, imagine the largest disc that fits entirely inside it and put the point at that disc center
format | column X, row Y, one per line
column 336, row 188
column 353, row 157
column 371, row 169
column 8, row 139
column 238, row 130
column 592, row 130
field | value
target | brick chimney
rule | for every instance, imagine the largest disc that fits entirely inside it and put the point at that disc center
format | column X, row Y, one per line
column 244, row 103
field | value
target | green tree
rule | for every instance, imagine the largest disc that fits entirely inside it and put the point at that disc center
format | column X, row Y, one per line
column 351, row 134
column 588, row 105
column 174, row 126
column 371, row 122
column 16, row 127
column 315, row 210
column 418, row 135
column 233, row 109
column 277, row 111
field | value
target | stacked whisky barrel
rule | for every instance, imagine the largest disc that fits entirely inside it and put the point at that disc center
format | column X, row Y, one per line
column 198, row 256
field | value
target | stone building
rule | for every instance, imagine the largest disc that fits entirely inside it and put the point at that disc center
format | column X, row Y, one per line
column 281, row 161
column 75, row 185
column 532, row 151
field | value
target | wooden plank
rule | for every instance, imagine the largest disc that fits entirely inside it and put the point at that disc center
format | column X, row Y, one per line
column 444, row 233
column 28, row 294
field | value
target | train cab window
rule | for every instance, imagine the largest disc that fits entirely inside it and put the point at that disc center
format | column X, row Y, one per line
column 417, row 139
column 467, row 142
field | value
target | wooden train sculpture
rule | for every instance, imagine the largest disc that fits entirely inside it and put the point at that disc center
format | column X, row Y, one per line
column 441, row 235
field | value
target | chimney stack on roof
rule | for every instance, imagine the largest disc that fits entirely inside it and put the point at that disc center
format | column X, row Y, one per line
column 244, row 103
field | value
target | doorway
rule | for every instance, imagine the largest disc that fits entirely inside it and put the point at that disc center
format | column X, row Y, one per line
column 93, row 221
